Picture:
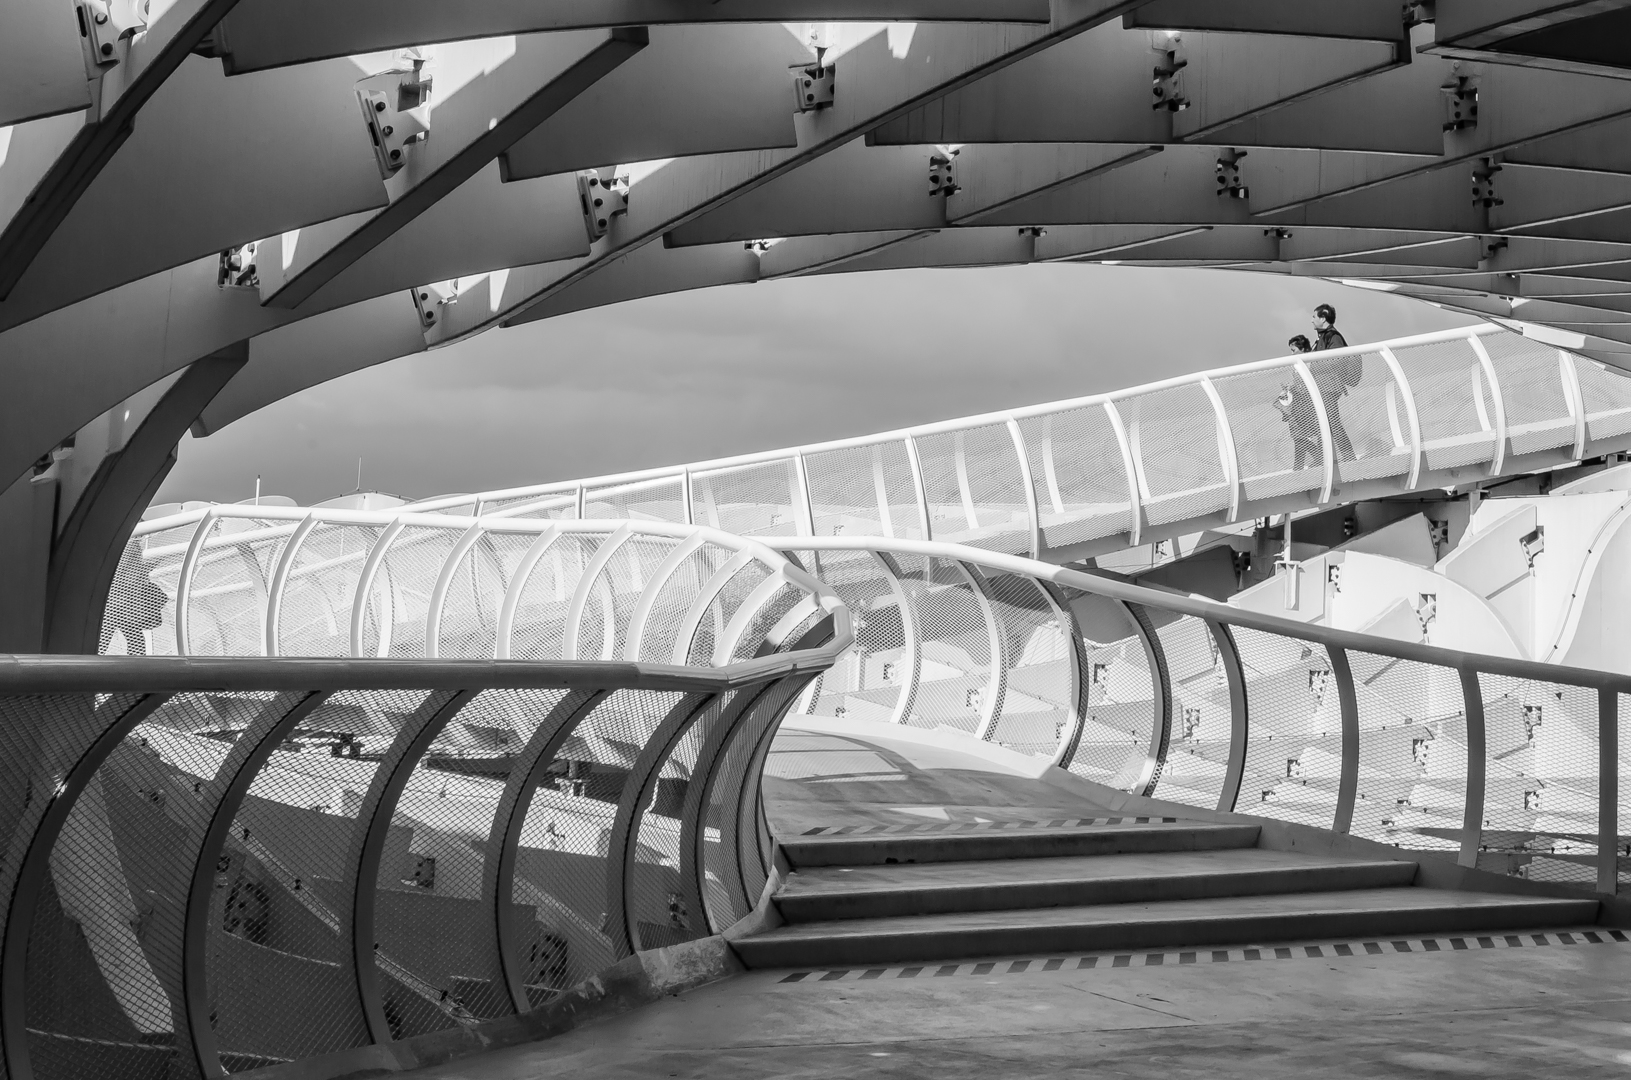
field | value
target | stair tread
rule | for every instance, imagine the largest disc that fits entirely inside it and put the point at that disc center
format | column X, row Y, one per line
column 895, row 877
column 1014, row 843
column 1280, row 905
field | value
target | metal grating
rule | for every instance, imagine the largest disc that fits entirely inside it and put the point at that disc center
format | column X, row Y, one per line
column 1277, row 439
column 1294, row 730
column 1198, row 748
column 662, row 499
column 1034, row 711
column 1538, row 416
column 750, row 500
column 1412, row 753
column 1079, row 475
column 1453, row 403
column 975, row 494
column 1114, row 748
column 866, row 490
column 1174, row 438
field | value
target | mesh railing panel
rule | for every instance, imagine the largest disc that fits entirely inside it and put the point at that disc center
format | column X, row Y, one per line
column 1036, row 701
column 140, row 618
column 1537, row 409
column 867, row 680
column 662, row 499
column 315, row 612
column 475, row 595
column 1174, row 436
column 539, row 628
column 658, row 912
column 1294, row 729
column 559, row 506
column 762, row 621
column 1117, row 732
column 399, row 596
column 973, row 484
column 1198, row 749
column 1276, row 432
column 279, row 973
column 1453, row 403
column 1079, row 474
column 1606, row 397
column 1369, row 419
column 78, row 1023
column 674, row 599
column 866, row 490
column 1540, row 795
column 955, row 662
column 752, row 500
column 1412, row 753
column 561, row 871
column 226, row 607
column 718, row 616
column 1622, row 845
column 436, row 935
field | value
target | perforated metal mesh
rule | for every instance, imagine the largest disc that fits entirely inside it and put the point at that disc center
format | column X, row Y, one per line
column 660, row 903
column 1277, row 439
column 1294, row 729
column 674, row 599
column 470, row 608
column 1622, row 846
column 277, row 968
column 1115, row 743
column 1369, row 420
column 749, row 500
column 662, row 499
column 315, row 613
column 561, row 860
column 399, row 595
column 1079, row 474
column 539, row 628
column 867, row 681
column 1412, row 753
column 556, row 506
column 763, row 620
column 1540, row 794
column 1034, row 711
column 974, row 488
column 710, row 632
column 139, row 619
column 1537, row 408
column 226, row 613
column 955, row 661
column 1198, row 750
column 864, row 490
column 1606, row 396
column 1453, row 403
column 1174, row 437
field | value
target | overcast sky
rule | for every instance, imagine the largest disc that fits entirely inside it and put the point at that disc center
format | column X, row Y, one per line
column 739, row 368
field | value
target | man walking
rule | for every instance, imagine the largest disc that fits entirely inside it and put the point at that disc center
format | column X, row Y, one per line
column 1334, row 377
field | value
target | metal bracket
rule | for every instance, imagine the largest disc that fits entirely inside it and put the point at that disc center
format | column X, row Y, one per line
column 813, row 86
column 1483, row 183
column 1228, row 174
column 394, row 106
column 1460, row 103
column 102, row 23
column 942, row 172
column 238, row 267
column 428, row 299
column 1166, row 82
column 603, row 197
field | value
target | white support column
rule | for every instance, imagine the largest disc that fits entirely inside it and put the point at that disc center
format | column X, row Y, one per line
column 578, row 508
column 960, row 459
column 1135, row 475
column 365, row 586
column 922, row 490
column 1570, row 377
column 280, row 581
column 1228, row 457
column 1049, row 472
column 1498, row 400
column 1414, row 419
column 685, row 496
column 444, row 580
column 580, row 596
column 802, row 504
column 518, row 582
column 1026, row 481
column 1328, row 446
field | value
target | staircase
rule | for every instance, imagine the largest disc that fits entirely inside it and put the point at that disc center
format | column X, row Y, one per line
column 1162, row 884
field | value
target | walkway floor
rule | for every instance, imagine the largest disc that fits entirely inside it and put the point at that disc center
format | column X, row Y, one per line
column 1552, row 1005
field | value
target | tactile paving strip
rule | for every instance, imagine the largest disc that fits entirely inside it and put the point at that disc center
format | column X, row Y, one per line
column 982, row 826
column 1323, row 950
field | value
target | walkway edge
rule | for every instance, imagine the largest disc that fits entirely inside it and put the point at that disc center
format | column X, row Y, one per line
column 634, row 981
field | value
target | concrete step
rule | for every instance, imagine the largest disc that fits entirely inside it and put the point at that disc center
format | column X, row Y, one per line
column 1006, row 844
column 868, row 892
column 1167, row 924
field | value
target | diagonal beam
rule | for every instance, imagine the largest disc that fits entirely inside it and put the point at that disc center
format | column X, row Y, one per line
column 471, row 129
column 1367, row 20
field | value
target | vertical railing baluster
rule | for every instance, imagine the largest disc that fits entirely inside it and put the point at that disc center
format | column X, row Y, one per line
column 1472, row 819
column 1608, row 791
column 1348, row 706
column 1239, row 721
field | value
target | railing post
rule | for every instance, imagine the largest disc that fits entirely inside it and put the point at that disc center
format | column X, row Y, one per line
column 1327, row 443
column 184, row 579
column 280, row 581
column 636, row 633
column 685, row 496
column 804, row 506
column 1135, row 474
column 1239, row 723
column 1076, row 704
column 373, row 822
column 1155, row 759
column 365, row 586
column 1034, row 536
column 1472, row 819
column 580, row 597
column 1608, row 792
column 996, row 686
column 504, row 631
column 1348, row 705
column 1412, row 417
column 911, row 637
column 1497, row 398
column 919, row 486
column 1228, row 453
column 1570, row 376
column 444, row 581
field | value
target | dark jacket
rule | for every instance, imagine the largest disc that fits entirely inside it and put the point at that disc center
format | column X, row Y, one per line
column 1330, row 338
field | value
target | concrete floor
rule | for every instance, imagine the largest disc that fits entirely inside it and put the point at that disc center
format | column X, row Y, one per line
column 1532, row 1012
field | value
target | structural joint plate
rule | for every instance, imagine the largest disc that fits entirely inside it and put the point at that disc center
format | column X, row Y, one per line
column 395, row 108
column 428, row 300
column 813, row 87
column 103, row 22
column 603, row 196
